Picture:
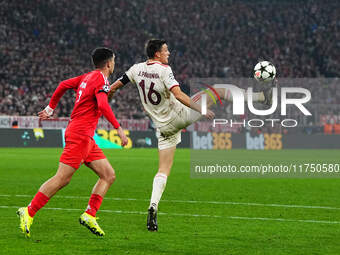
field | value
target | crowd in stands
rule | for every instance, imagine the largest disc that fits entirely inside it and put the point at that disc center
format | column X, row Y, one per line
column 44, row 42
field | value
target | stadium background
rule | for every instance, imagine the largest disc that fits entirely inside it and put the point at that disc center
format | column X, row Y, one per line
column 44, row 42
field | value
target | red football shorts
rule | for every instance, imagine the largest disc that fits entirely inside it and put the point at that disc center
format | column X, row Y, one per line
column 79, row 149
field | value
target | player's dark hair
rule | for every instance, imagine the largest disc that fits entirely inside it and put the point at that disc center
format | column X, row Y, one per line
column 101, row 55
column 152, row 46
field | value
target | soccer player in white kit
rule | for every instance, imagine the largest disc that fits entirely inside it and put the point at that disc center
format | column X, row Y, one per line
column 170, row 109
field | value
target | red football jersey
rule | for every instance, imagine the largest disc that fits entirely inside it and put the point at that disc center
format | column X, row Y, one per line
column 85, row 114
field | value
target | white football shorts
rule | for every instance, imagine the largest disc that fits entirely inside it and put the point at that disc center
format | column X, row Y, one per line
column 169, row 135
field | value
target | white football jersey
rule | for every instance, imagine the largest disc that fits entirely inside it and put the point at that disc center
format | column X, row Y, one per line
column 154, row 81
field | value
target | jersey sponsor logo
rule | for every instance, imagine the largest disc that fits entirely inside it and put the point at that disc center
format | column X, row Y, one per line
column 83, row 85
column 171, row 76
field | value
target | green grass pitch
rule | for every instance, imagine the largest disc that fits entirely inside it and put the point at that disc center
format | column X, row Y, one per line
column 197, row 216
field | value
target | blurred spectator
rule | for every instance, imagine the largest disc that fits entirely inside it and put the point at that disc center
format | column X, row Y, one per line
column 44, row 42
column 15, row 124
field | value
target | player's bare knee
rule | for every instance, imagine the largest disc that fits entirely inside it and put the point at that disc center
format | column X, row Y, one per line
column 65, row 180
column 109, row 176
column 62, row 180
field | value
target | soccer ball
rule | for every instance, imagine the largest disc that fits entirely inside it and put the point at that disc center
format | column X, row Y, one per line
column 264, row 71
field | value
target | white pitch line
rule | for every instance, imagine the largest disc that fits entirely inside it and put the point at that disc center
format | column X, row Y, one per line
column 195, row 202
column 190, row 215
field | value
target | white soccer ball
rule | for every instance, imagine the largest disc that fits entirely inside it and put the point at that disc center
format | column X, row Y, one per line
column 264, row 71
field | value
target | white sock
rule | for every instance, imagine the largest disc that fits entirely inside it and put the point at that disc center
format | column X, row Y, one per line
column 257, row 96
column 159, row 183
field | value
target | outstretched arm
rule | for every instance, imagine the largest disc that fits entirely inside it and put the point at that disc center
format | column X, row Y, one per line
column 116, row 85
column 63, row 86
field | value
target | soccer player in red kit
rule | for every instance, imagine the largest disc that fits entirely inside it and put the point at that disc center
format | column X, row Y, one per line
column 91, row 102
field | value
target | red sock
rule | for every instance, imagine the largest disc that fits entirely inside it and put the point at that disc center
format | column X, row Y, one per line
column 37, row 202
column 94, row 204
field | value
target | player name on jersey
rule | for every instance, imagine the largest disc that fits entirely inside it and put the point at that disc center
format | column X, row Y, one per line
column 148, row 75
